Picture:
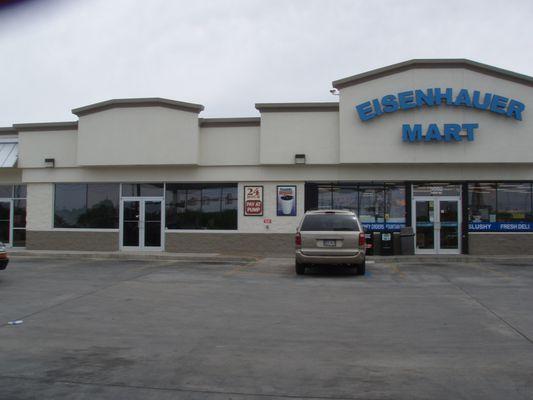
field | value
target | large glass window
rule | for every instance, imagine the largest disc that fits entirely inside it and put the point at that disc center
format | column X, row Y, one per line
column 325, row 197
column 81, row 205
column 482, row 202
column 371, row 204
column 500, row 207
column 201, row 206
column 374, row 204
column 395, row 204
column 345, row 198
column 514, row 202
column 6, row 191
column 142, row 189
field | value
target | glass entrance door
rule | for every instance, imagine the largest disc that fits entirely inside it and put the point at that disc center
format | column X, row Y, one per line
column 5, row 222
column 142, row 224
column 437, row 225
column 425, row 225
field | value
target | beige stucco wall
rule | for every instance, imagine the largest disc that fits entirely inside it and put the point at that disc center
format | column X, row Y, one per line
column 379, row 140
column 40, row 206
column 138, row 136
column 250, row 224
column 229, row 145
column 34, row 147
column 397, row 172
column 284, row 134
column 10, row 175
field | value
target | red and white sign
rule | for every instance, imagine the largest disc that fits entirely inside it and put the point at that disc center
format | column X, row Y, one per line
column 253, row 200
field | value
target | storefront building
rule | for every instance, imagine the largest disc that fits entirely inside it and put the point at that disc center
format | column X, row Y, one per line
column 442, row 146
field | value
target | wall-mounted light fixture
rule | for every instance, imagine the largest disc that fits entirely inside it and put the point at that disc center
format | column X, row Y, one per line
column 49, row 162
column 299, row 158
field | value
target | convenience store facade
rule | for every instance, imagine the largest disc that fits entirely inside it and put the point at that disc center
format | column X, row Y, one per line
column 442, row 146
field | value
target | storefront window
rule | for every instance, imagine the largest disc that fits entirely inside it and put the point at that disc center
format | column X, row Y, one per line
column 201, row 206
column 395, row 204
column 345, row 198
column 482, row 202
column 513, row 202
column 19, row 191
column 374, row 204
column 371, row 204
column 19, row 215
column 6, row 191
column 142, row 190
column 80, row 205
column 325, row 197
column 229, row 198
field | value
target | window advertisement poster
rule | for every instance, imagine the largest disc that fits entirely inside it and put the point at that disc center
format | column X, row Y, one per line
column 286, row 201
column 253, row 201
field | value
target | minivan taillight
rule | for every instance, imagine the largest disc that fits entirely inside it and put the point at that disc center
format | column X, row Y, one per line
column 298, row 239
column 362, row 240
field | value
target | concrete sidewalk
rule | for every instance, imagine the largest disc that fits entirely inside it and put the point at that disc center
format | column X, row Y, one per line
column 219, row 257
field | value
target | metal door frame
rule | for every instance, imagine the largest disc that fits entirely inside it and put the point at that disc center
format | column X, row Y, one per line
column 142, row 206
column 436, row 223
column 11, row 215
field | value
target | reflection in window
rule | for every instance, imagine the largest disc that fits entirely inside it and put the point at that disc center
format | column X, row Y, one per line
column 325, row 197
column 201, row 206
column 371, row 204
column 514, row 202
column 345, row 198
column 18, row 210
column 80, row 205
column 395, row 204
column 6, row 191
column 482, row 202
column 142, row 189
column 19, row 191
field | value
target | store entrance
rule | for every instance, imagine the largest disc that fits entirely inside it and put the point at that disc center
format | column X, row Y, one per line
column 5, row 221
column 437, row 224
column 141, row 225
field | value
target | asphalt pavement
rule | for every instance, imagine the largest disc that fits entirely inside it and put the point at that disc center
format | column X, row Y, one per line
column 252, row 329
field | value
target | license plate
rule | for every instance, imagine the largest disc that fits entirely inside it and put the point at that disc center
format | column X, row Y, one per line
column 330, row 243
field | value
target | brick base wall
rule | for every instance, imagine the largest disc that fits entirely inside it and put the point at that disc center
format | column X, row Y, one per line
column 500, row 244
column 71, row 240
column 273, row 244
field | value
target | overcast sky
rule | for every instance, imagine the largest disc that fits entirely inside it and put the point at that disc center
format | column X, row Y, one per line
column 56, row 55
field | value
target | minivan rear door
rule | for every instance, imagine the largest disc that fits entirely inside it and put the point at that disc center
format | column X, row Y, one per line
column 330, row 234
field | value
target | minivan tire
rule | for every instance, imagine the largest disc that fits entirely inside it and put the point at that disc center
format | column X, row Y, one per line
column 300, row 268
column 361, row 268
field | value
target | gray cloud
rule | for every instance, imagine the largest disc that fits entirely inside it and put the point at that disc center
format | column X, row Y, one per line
column 56, row 55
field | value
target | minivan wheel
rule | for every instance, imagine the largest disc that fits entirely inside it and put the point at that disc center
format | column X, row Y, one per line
column 300, row 268
column 361, row 268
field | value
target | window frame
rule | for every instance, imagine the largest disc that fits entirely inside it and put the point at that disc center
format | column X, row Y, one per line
column 200, row 187
column 86, row 229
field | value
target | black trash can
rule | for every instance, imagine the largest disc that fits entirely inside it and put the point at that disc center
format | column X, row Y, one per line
column 407, row 238
column 376, row 243
column 386, row 243
column 396, row 243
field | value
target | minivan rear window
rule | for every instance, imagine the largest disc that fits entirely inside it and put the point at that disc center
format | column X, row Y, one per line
column 329, row 222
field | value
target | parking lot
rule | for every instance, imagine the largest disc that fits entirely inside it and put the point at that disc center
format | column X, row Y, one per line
column 116, row 329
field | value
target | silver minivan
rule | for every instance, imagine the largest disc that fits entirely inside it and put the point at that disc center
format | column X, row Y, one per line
column 330, row 237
